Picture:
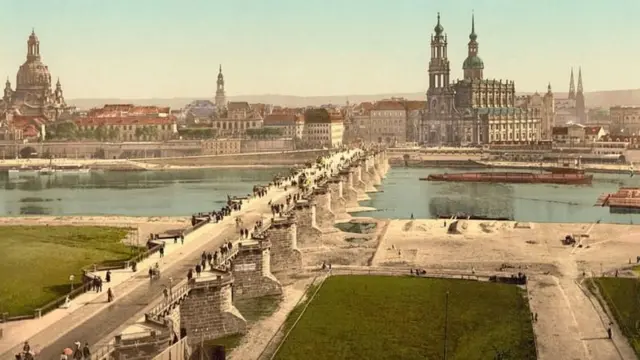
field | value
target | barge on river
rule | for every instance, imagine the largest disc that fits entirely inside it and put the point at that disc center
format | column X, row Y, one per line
column 515, row 178
column 625, row 201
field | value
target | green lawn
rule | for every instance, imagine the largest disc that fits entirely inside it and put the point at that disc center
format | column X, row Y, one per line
column 379, row 317
column 36, row 261
column 623, row 299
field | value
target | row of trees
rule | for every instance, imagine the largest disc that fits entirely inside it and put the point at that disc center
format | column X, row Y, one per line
column 70, row 131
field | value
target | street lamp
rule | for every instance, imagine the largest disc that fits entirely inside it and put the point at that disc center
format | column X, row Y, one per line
column 71, row 278
column 446, row 323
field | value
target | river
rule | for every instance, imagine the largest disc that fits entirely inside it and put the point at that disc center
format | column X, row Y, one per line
column 136, row 193
column 403, row 194
column 181, row 193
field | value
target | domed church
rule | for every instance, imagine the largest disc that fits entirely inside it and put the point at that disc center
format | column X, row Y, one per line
column 34, row 95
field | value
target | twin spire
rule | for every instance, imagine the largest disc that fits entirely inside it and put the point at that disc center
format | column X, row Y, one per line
column 572, row 86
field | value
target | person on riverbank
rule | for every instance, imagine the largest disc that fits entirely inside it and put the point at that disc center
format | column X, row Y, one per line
column 86, row 352
column 107, row 276
column 109, row 295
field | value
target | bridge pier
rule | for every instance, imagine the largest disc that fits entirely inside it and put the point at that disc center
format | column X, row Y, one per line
column 251, row 270
column 374, row 176
column 338, row 203
column 309, row 234
column 208, row 312
column 325, row 218
column 358, row 184
column 349, row 194
column 285, row 254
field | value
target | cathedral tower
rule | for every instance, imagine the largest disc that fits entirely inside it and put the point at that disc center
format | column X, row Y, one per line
column 473, row 65
column 580, row 105
column 439, row 126
column 439, row 70
column 572, row 87
column 221, row 98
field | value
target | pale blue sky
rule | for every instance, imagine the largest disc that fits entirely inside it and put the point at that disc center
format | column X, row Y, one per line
column 170, row 48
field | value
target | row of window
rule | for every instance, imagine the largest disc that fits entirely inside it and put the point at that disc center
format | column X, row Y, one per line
column 513, row 136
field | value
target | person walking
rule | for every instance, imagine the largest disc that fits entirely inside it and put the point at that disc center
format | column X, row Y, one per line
column 86, row 352
column 109, row 295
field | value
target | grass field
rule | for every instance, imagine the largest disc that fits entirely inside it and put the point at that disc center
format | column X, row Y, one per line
column 36, row 261
column 623, row 299
column 378, row 317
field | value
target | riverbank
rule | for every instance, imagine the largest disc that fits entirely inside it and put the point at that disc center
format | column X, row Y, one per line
column 230, row 161
column 465, row 163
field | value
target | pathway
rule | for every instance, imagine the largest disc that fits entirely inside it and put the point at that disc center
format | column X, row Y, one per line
column 62, row 327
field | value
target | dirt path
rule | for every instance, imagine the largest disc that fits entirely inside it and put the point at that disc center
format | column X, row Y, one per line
column 261, row 332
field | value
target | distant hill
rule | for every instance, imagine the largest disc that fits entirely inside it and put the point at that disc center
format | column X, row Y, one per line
column 593, row 99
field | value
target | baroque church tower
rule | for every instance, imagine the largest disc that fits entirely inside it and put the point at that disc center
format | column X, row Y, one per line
column 221, row 98
column 473, row 66
column 440, row 95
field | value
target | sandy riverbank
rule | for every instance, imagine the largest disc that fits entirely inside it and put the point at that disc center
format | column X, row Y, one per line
column 570, row 319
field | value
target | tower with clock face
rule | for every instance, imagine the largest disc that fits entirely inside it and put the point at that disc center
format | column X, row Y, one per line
column 438, row 126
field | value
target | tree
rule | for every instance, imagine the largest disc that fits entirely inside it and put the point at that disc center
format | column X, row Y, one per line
column 265, row 133
column 113, row 134
column 139, row 133
column 101, row 132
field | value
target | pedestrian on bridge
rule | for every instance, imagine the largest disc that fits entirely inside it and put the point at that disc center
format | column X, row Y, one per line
column 109, row 295
column 198, row 270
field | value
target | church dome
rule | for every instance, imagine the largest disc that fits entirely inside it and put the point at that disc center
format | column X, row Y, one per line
column 473, row 62
column 33, row 73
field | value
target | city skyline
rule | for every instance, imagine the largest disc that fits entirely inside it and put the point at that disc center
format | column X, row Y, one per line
column 163, row 49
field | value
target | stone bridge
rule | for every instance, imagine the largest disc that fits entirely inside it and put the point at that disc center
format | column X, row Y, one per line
column 203, row 307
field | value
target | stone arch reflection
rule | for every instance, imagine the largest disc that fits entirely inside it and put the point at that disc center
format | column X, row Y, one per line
column 489, row 200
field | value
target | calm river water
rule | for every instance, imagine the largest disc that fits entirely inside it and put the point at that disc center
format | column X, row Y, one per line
column 403, row 194
column 181, row 193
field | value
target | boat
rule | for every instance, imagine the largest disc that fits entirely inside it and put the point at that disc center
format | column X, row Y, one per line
column 514, row 178
column 563, row 170
column 72, row 169
column 46, row 171
column 23, row 170
column 625, row 201
column 466, row 216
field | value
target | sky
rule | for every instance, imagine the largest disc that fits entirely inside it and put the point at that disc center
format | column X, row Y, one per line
column 169, row 48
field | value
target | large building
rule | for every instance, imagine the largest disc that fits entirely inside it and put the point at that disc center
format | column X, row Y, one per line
column 545, row 106
column 34, row 95
column 388, row 122
column 323, row 128
column 625, row 120
column 473, row 110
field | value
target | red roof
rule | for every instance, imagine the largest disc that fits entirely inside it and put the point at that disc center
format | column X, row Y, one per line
column 592, row 130
column 279, row 120
column 415, row 105
column 388, row 105
column 117, row 110
column 127, row 120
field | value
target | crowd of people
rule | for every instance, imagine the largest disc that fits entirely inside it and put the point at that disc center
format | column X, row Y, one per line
column 208, row 259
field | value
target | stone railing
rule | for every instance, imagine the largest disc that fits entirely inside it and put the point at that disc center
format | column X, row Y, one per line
column 176, row 295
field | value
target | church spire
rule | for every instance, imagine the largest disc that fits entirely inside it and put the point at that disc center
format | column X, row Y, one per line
column 473, row 35
column 580, row 89
column 572, row 87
